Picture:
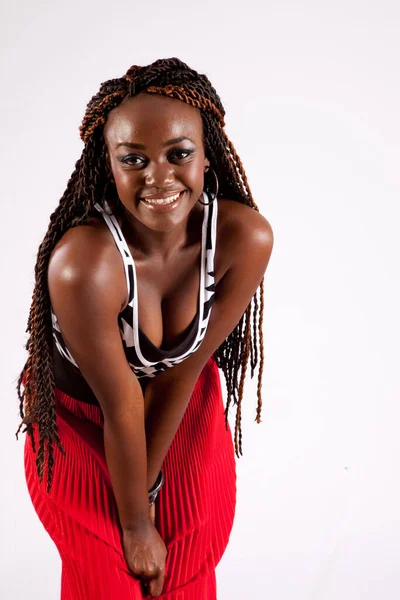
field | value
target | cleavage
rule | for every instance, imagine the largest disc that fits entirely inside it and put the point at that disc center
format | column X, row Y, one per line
column 168, row 298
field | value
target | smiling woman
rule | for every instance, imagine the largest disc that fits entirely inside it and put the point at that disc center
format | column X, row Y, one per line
column 148, row 170
column 144, row 283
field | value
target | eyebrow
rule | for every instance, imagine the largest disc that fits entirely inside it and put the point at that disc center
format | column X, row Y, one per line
column 143, row 147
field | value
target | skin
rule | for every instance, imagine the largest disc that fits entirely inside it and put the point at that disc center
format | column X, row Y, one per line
column 88, row 290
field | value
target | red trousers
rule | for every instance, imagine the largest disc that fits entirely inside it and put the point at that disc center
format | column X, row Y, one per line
column 194, row 510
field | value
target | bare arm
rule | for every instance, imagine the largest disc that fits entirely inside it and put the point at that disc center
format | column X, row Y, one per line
column 168, row 394
column 86, row 290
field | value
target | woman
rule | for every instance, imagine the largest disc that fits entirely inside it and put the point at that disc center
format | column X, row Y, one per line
column 144, row 282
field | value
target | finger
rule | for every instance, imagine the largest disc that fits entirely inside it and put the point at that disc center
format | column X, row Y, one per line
column 156, row 585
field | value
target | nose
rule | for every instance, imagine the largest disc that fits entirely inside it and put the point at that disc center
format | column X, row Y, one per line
column 160, row 175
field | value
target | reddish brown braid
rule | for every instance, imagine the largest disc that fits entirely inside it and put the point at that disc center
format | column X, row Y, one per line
column 87, row 186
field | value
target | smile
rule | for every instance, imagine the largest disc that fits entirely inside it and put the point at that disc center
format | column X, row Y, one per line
column 162, row 200
column 163, row 204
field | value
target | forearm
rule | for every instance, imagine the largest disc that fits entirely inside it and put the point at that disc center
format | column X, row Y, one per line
column 125, row 449
column 167, row 399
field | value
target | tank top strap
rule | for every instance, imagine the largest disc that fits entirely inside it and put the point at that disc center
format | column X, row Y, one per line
column 121, row 244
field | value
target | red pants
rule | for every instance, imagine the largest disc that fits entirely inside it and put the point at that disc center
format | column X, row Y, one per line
column 194, row 510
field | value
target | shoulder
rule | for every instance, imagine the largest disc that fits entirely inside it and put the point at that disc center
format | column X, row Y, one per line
column 87, row 261
column 247, row 240
column 243, row 228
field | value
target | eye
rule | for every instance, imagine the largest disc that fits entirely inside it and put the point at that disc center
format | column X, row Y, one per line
column 130, row 160
column 181, row 154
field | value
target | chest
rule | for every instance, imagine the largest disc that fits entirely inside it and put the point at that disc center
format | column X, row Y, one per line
column 168, row 294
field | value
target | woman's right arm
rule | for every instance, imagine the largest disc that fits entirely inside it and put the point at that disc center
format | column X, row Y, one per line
column 87, row 290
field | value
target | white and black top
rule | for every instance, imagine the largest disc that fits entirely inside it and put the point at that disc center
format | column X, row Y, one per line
column 144, row 358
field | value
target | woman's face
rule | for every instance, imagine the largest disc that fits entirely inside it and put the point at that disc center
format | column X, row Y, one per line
column 155, row 150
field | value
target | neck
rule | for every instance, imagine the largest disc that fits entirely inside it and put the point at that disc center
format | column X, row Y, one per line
column 161, row 245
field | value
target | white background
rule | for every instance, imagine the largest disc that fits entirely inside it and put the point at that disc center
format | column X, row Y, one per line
column 312, row 95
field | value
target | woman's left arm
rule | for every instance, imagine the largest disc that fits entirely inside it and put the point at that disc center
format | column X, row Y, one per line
column 167, row 394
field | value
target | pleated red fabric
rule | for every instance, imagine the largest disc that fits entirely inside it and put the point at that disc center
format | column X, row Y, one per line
column 194, row 510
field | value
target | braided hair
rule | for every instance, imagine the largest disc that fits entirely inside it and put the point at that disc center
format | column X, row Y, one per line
column 86, row 186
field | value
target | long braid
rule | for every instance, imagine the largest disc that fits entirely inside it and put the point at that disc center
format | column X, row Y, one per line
column 86, row 186
column 37, row 377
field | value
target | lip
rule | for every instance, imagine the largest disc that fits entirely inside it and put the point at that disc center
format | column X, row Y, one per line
column 164, row 207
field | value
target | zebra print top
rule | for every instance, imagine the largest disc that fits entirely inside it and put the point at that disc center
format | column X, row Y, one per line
column 144, row 358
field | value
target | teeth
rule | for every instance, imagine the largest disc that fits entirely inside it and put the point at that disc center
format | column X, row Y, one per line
column 163, row 200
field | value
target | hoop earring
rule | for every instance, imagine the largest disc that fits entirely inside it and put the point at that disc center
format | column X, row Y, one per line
column 212, row 194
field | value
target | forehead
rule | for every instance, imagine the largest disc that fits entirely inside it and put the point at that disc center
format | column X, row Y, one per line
column 148, row 118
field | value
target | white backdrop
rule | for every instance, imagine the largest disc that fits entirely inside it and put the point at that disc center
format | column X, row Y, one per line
column 312, row 95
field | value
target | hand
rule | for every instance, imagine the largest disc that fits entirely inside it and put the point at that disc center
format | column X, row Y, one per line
column 145, row 554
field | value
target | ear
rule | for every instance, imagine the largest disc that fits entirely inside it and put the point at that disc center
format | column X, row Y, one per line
column 206, row 164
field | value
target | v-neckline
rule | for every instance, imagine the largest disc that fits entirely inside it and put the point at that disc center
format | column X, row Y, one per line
column 195, row 323
column 172, row 351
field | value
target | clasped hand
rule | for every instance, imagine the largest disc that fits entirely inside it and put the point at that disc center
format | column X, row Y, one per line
column 145, row 553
